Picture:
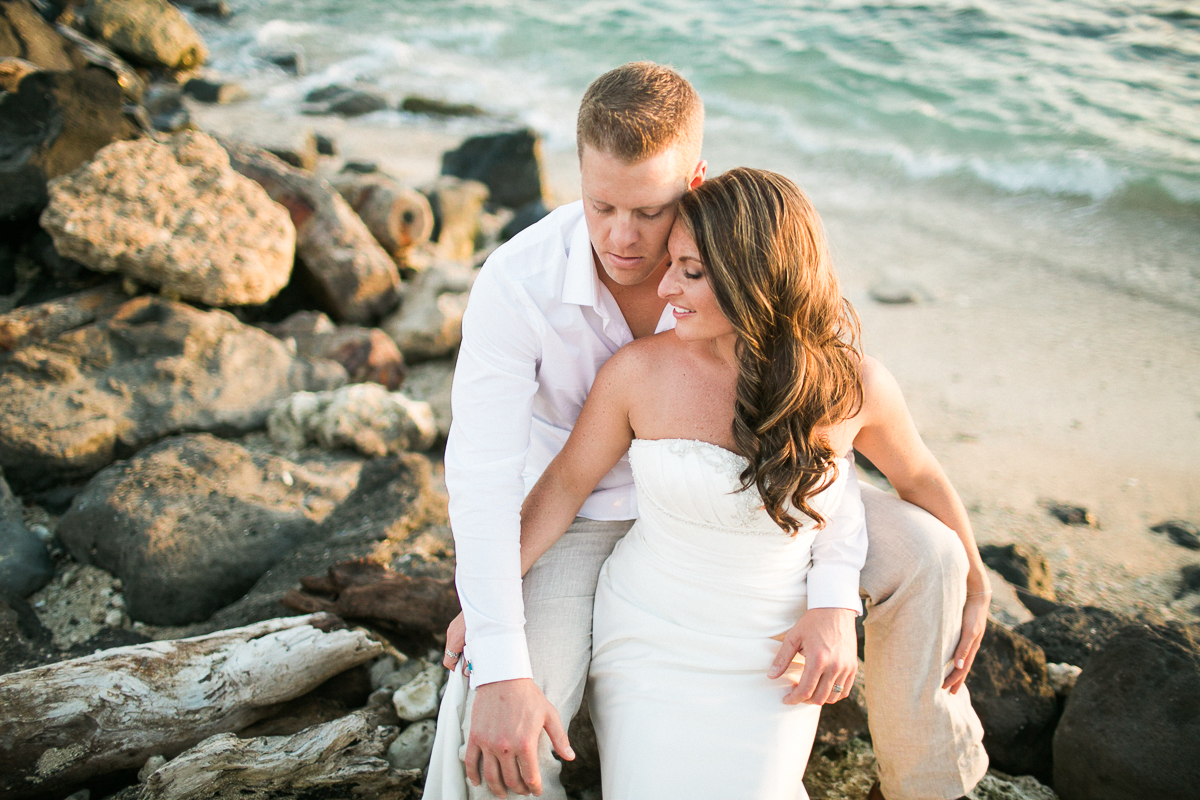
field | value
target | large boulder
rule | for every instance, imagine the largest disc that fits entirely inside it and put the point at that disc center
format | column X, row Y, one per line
column 429, row 323
column 368, row 354
column 362, row 416
column 1131, row 727
column 191, row 522
column 509, row 164
column 175, row 216
column 1011, row 692
column 51, row 124
column 151, row 32
column 24, row 34
column 73, row 405
column 1072, row 635
column 25, row 564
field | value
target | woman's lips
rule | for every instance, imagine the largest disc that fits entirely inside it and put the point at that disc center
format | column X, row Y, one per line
column 680, row 313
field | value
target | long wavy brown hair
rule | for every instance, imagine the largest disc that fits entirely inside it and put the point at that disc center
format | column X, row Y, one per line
column 766, row 257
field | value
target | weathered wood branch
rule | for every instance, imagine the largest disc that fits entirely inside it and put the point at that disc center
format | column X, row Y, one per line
column 397, row 217
column 64, row 723
column 366, row 590
column 342, row 758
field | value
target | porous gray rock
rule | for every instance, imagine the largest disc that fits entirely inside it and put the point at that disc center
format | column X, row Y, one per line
column 175, row 216
column 1131, row 727
column 1011, row 693
column 75, row 404
column 151, row 32
column 429, row 323
column 368, row 354
column 51, row 124
column 431, row 382
column 413, row 747
column 1072, row 635
column 25, row 564
column 509, row 164
column 418, row 699
column 362, row 416
column 191, row 522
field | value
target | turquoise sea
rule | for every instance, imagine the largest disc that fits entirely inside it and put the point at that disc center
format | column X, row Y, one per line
column 1060, row 134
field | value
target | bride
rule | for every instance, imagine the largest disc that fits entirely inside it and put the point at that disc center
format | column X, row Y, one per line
column 739, row 425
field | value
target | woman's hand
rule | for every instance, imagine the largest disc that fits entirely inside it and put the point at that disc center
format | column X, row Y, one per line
column 975, row 615
column 826, row 639
column 456, row 640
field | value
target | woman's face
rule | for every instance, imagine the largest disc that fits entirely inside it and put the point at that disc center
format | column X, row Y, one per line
column 685, row 286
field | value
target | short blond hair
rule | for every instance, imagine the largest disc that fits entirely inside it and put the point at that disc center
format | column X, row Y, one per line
column 638, row 110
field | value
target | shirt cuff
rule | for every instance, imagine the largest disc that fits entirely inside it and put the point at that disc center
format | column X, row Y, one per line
column 834, row 586
column 504, row 657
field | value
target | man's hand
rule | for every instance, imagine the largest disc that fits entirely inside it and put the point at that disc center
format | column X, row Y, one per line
column 506, row 721
column 826, row 639
column 456, row 640
column 975, row 615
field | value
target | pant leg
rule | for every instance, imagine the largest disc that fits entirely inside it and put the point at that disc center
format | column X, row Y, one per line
column 928, row 742
column 559, row 591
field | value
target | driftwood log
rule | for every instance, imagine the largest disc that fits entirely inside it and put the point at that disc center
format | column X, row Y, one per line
column 398, row 218
column 352, row 275
column 368, row 591
column 342, row 758
column 67, row 722
column 30, row 324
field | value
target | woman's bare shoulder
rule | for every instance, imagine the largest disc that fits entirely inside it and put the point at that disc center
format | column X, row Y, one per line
column 644, row 357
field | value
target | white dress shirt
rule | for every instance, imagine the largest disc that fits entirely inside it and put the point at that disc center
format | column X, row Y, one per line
column 537, row 329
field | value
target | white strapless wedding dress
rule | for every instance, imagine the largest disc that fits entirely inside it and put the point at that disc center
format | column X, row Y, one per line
column 685, row 612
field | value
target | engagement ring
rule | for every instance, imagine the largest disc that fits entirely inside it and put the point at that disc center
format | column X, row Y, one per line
column 453, row 655
column 837, row 688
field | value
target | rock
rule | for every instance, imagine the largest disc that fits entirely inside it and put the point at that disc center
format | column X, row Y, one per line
column 429, row 323
column 430, row 382
column 998, row 786
column 1011, row 693
column 413, row 747
column 150, row 767
column 1131, row 726
column 25, row 564
column 214, row 91
column 383, row 668
column 25, row 35
column 73, row 605
column 1025, row 568
column 398, row 218
column 897, row 291
column 1005, row 607
column 290, row 61
column 92, row 52
column 1072, row 635
column 525, row 216
column 164, row 104
column 326, row 93
column 416, row 104
column 326, row 146
column 1182, row 533
column 152, row 32
column 1072, row 515
column 175, row 216
column 12, row 71
column 69, row 407
column 190, row 523
column 1189, row 579
column 54, row 122
column 1062, row 677
column 390, row 509
column 352, row 276
column 457, row 207
column 368, row 354
column 509, row 164
column 297, row 149
column 361, row 167
column 418, row 699
column 210, row 8
column 362, row 416
column 24, row 641
column 354, row 103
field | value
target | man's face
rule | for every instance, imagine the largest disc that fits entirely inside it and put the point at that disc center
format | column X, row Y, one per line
column 630, row 209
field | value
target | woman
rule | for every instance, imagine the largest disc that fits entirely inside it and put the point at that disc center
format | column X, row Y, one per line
column 739, row 424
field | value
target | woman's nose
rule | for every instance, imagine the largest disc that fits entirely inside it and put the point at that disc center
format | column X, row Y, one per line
column 668, row 287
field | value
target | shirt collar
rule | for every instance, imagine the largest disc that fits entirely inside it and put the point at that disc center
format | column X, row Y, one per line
column 581, row 284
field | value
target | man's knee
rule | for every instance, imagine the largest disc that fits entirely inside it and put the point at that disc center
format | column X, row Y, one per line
column 910, row 541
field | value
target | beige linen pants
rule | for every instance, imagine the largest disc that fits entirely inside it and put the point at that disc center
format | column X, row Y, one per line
column 928, row 742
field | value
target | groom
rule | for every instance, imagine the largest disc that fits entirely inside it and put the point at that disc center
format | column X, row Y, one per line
column 545, row 313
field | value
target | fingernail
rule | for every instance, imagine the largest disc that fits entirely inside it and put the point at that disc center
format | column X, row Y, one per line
column 960, row 663
column 570, row 753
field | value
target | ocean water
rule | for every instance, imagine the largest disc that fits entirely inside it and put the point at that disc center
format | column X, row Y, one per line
column 1062, row 135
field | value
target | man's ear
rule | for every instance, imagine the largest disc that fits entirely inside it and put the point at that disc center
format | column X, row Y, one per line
column 697, row 177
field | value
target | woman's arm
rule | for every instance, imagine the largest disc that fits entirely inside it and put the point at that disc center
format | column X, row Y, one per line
column 889, row 438
column 601, row 435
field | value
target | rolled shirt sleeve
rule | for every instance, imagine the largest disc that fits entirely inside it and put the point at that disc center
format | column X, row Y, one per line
column 495, row 381
column 839, row 552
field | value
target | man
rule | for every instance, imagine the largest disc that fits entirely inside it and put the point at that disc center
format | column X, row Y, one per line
column 546, row 312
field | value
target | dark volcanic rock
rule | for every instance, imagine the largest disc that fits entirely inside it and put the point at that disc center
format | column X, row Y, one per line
column 214, row 92
column 326, row 93
column 1189, row 579
column 24, row 34
column 290, row 61
column 525, row 216
column 1015, row 702
column 1025, row 568
column 355, row 103
column 24, row 641
column 416, row 104
column 1182, row 533
column 1072, row 515
column 71, row 406
column 509, row 164
column 1072, row 635
column 391, row 510
column 25, row 564
column 190, row 523
column 54, row 122
column 1131, row 727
